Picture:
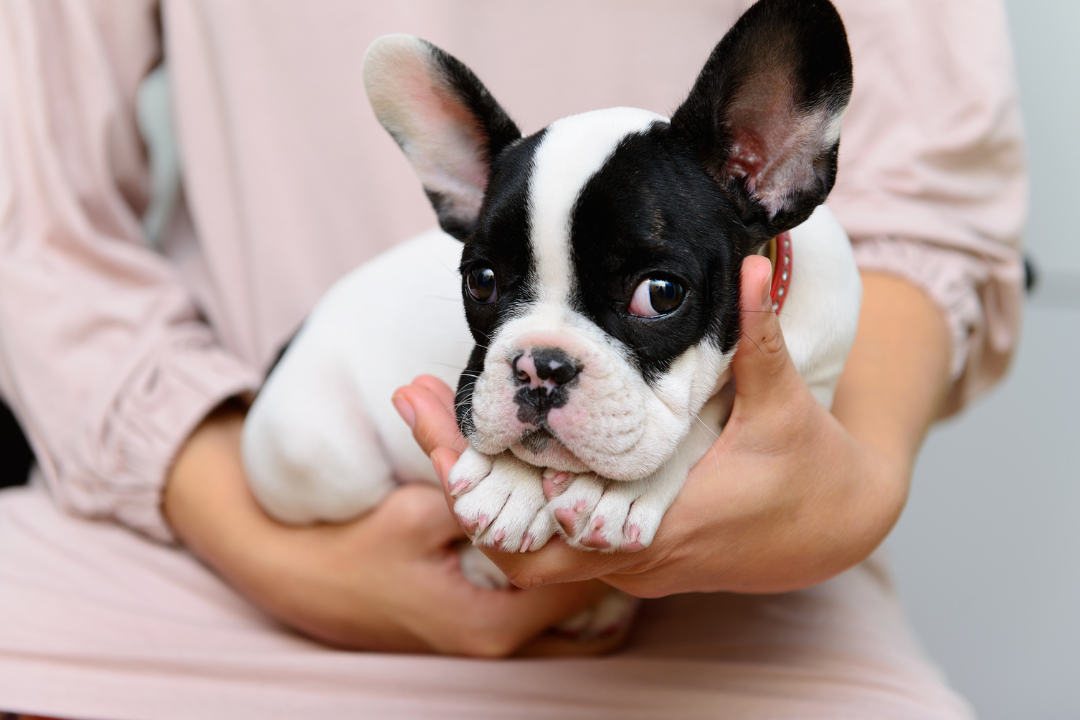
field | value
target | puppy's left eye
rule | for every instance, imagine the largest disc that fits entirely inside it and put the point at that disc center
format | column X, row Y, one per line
column 480, row 282
column 657, row 296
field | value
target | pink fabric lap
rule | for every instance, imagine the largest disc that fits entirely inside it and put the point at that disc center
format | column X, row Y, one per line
column 150, row 632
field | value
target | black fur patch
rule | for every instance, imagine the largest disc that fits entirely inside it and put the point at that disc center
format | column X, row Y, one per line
column 805, row 42
column 496, row 128
column 463, row 397
column 14, row 449
column 653, row 211
column 499, row 241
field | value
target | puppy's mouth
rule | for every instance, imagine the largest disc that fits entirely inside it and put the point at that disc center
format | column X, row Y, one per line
column 541, row 448
column 536, row 441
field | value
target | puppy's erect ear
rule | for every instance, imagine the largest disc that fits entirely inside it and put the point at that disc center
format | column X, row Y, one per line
column 764, row 115
column 443, row 118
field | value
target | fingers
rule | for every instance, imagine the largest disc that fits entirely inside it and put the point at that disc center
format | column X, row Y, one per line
column 443, row 460
column 427, row 407
column 497, row 623
column 524, row 615
column 438, row 388
column 557, row 563
column 762, row 365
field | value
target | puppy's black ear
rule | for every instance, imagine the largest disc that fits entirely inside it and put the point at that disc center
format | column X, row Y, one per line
column 443, row 118
column 764, row 115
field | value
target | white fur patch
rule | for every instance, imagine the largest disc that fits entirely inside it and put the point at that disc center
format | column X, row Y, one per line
column 572, row 151
column 437, row 133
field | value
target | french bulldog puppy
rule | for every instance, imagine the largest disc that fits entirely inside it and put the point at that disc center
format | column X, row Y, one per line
column 598, row 262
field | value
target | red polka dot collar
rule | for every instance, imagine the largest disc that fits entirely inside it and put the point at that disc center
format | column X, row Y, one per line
column 780, row 257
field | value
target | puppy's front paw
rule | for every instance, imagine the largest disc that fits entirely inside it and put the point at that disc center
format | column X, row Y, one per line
column 599, row 514
column 500, row 502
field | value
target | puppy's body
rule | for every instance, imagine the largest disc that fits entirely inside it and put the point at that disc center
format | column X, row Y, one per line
column 324, row 442
column 599, row 273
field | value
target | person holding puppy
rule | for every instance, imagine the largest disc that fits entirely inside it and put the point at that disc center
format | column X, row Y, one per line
column 123, row 365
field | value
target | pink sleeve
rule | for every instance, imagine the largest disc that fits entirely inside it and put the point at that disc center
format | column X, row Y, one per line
column 103, row 355
column 932, row 185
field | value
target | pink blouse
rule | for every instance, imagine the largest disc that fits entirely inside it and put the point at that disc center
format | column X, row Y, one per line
column 112, row 350
column 113, row 346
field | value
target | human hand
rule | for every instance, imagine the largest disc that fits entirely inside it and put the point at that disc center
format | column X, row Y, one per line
column 789, row 495
column 387, row 581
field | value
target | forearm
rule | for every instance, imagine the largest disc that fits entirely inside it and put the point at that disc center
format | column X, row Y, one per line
column 389, row 580
column 897, row 374
column 290, row 572
column 893, row 384
column 211, row 510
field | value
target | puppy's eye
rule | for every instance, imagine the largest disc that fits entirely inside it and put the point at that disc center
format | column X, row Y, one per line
column 480, row 282
column 657, row 296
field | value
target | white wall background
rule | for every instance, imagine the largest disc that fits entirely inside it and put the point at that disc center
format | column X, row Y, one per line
column 987, row 553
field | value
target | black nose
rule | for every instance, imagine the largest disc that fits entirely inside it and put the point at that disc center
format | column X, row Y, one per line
column 545, row 367
column 543, row 376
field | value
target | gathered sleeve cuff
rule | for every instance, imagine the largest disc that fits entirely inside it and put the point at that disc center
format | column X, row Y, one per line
column 980, row 299
column 105, row 358
column 127, row 456
column 932, row 182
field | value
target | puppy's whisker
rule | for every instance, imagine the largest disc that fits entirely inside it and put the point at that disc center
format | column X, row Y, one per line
column 715, row 457
column 482, row 333
column 436, row 363
column 468, row 387
column 718, row 436
column 776, row 312
column 708, row 430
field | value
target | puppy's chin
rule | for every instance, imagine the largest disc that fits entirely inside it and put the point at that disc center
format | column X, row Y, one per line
column 540, row 448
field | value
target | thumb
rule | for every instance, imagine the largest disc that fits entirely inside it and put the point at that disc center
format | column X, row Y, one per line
column 762, row 365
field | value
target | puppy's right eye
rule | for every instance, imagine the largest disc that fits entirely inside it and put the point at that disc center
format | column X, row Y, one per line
column 657, row 296
column 480, row 283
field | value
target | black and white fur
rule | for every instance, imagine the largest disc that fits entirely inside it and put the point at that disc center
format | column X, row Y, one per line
column 574, row 389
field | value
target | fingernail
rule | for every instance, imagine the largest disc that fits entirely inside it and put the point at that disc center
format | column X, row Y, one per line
column 405, row 410
column 766, row 295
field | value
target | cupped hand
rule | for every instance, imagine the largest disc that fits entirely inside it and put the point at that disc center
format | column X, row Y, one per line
column 388, row 581
column 788, row 496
